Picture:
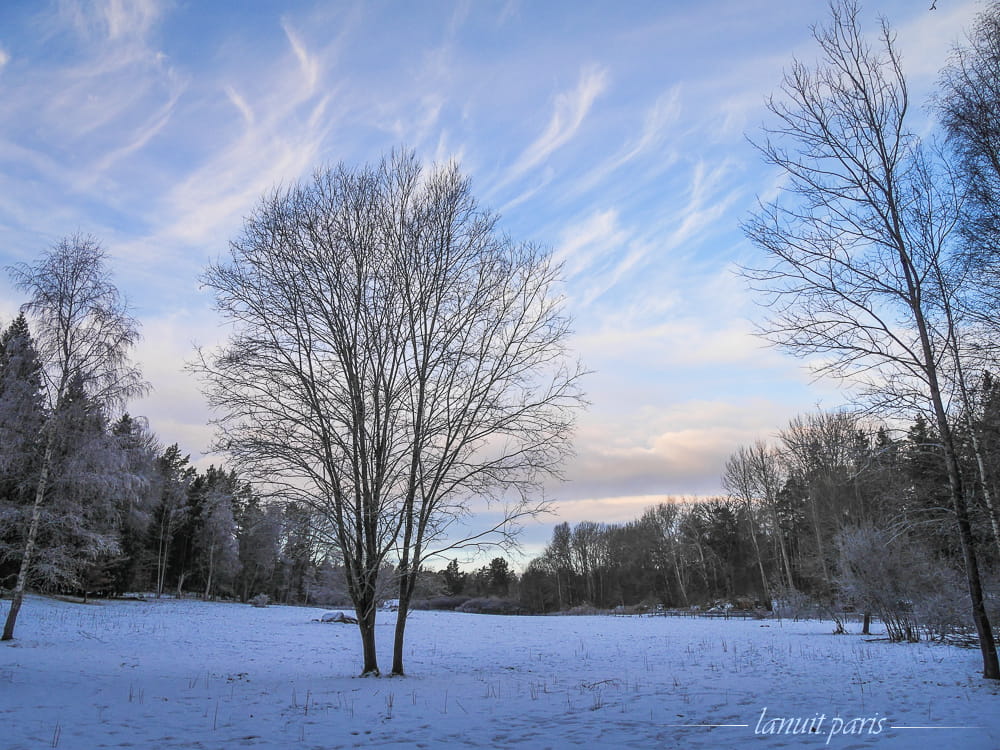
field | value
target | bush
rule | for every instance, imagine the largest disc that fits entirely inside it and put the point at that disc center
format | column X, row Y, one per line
column 261, row 600
column 898, row 579
column 440, row 602
column 491, row 606
column 586, row 608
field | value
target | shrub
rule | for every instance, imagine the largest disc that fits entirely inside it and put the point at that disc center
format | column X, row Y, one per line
column 491, row 606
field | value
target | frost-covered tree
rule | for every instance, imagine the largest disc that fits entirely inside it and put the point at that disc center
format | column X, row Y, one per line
column 22, row 416
column 216, row 547
column 77, row 538
column 84, row 336
column 171, row 511
column 258, row 537
column 135, row 501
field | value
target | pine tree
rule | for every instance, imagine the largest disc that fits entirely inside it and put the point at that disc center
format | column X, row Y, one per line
column 171, row 511
column 134, row 502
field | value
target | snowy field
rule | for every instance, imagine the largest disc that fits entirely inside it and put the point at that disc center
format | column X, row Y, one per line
column 187, row 674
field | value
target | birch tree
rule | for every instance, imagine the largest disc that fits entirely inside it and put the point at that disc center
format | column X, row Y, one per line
column 84, row 336
column 858, row 242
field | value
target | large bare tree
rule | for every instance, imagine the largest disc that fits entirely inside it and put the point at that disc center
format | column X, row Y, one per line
column 395, row 360
column 860, row 244
column 84, row 336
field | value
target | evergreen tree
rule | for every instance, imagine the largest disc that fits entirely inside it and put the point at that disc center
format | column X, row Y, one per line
column 454, row 579
column 22, row 417
column 171, row 512
column 134, row 503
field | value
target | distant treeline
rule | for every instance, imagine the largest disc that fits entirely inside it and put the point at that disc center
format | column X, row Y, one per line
column 838, row 513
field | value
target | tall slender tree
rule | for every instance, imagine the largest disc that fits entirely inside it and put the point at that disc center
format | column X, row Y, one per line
column 84, row 335
column 860, row 246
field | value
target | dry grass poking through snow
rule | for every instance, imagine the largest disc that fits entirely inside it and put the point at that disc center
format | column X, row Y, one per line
column 187, row 674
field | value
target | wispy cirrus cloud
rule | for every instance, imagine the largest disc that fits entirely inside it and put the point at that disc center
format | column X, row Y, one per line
column 110, row 19
column 658, row 125
column 308, row 63
column 585, row 244
column 569, row 111
column 282, row 120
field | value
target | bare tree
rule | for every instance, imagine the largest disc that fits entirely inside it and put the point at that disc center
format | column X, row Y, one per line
column 490, row 388
column 742, row 481
column 84, row 336
column 855, row 247
column 969, row 104
column 394, row 358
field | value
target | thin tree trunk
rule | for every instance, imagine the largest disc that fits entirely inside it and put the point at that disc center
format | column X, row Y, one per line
column 211, row 567
column 820, row 551
column 764, row 591
column 180, row 584
column 782, row 548
column 987, row 644
column 29, row 545
column 397, row 643
column 680, row 578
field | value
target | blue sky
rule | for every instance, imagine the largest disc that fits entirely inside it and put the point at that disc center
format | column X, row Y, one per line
column 613, row 133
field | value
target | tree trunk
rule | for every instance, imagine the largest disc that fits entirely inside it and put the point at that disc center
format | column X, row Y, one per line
column 397, row 643
column 764, row 590
column 211, row 567
column 29, row 545
column 162, row 550
column 780, row 537
column 180, row 584
column 987, row 644
column 366, row 624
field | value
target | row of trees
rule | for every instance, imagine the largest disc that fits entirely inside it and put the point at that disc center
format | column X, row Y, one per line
column 394, row 359
column 838, row 513
column 91, row 505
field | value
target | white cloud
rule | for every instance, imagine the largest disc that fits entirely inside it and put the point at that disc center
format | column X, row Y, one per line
column 4, row 58
column 176, row 409
column 241, row 104
column 127, row 18
column 284, row 120
column 309, row 65
column 657, row 125
column 926, row 40
column 569, row 111
column 585, row 243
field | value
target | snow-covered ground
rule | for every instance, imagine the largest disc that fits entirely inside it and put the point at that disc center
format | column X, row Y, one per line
column 187, row 674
